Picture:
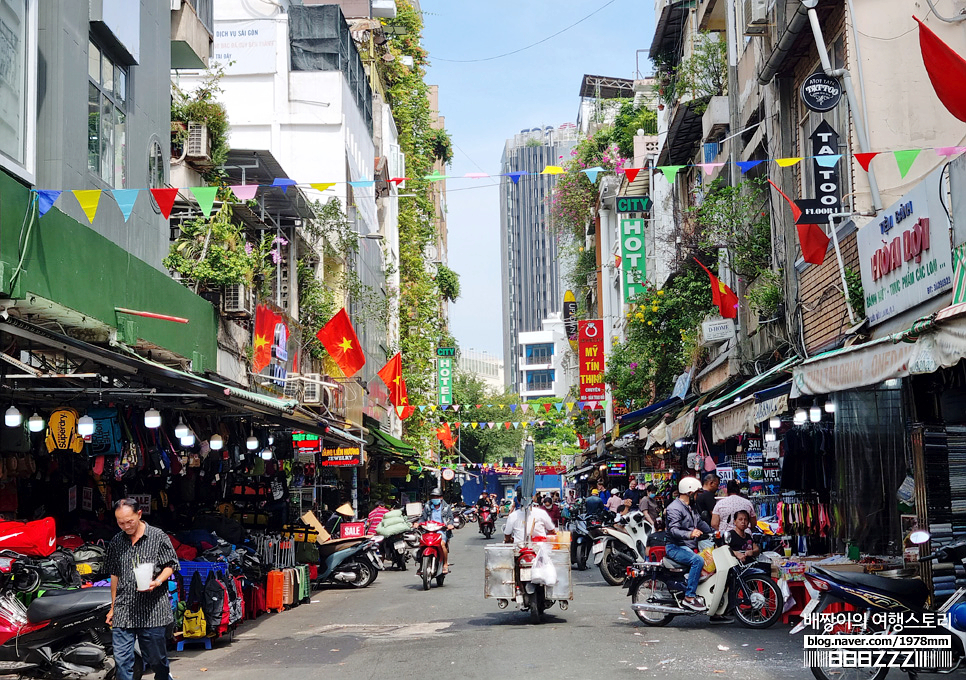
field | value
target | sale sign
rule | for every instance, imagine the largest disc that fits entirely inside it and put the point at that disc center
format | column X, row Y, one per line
column 352, row 530
column 590, row 349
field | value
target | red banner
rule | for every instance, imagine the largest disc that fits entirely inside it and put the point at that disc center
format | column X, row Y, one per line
column 590, row 348
column 341, row 457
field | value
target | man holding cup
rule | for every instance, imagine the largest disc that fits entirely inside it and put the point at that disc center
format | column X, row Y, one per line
column 140, row 560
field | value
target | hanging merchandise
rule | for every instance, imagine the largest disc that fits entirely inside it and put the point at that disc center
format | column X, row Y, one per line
column 62, row 431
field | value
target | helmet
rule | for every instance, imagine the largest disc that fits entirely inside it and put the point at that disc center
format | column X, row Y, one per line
column 436, row 492
column 689, row 485
column 615, row 491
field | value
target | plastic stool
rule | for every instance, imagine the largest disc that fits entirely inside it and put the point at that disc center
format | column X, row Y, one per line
column 206, row 641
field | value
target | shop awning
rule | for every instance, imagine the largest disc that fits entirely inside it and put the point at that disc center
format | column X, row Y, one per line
column 933, row 342
column 744, row 415
column 682, row 428
column 760, row 380
column 284, row 412
column 632, row 420
column 668, row 32
column 386, row 443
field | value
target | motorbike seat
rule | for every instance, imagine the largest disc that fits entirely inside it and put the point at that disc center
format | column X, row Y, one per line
column 671, row 565
column 911, row 592
column 59, row 603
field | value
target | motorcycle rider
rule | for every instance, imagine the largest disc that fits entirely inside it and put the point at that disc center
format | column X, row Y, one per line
column 684, row 528
column 540, row 524
column 485, row 502
column 592, row 504
column 438, row 510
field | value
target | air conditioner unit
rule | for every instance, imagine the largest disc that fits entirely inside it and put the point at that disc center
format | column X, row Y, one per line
column 238, row 301
column 756, row 17
column 292, row 386
column 311, row 388
column 199, row 142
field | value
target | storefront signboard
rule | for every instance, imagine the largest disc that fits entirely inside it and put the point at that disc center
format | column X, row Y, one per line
column 341, row 457
column 717, row 330
column 245, row 47
column 905, row 256
column 590, row 340
column 770, row 407
column 682, row 428
column 756, row 474
column 444, row 375
column 570, row 318
column 735, row 419
column 633, row 260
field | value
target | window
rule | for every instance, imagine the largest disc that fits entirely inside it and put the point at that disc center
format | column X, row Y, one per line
column 106, row 105
column 18, row 83
column 539, row 354
column 156, row 165
column 539, row 381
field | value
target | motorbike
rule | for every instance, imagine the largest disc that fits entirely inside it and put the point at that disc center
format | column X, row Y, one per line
column 531, row 597
column 584, row 530
column 870, row 594
column 487, row 523
column 62, row 634
column 471, row 514
column 358, row 563
column 657, row 588
column 399, row 548
column 429, row 555
column 622, row 544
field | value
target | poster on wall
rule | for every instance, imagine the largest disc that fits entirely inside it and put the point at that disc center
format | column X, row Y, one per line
column 590, row 342
column 756, row 458
column 245, row 47
column 275, row 345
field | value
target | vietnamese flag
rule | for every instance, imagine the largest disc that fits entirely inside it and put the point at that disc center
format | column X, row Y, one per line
column 722, row 295
column 445, row 435
column 265, row 322
column 946, row 69
column 391, row 374
column 340, row 341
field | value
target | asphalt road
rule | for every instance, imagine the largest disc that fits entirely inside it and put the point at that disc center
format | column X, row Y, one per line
column 394, row 629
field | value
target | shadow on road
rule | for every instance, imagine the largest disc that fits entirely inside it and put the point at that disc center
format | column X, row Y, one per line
column 513, row 618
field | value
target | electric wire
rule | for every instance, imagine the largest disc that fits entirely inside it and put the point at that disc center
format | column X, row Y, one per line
column 539, row 42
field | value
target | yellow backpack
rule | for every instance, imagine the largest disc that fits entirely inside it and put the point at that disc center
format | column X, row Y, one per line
column 194, row 625
column 62, row 431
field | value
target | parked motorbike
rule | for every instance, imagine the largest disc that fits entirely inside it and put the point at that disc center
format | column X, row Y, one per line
column 430, row 553
column 62, row 634
column 657, row 589
column 584, row 530
column 358, row 564
column 471, row 515
column 487, row 523
column 623, row 544
column 878, row 594
column 399, row 548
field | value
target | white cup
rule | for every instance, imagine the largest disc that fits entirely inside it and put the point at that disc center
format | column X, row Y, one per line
column 144, row 574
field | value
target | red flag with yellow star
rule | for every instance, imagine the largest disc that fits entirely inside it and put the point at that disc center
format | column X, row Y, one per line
column 391, row 374
column 445, row 435
column 340, row 341
column 265, row 321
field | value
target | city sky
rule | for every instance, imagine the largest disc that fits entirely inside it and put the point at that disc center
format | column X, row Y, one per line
column 486, row 102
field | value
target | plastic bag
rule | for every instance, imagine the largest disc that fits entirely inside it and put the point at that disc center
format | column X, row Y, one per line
column 708, row 560
column 543, row 572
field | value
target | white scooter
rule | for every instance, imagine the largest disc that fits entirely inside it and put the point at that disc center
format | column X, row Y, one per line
column 621, row 546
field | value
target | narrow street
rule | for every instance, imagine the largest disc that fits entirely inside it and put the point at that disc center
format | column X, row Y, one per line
column 394, row 629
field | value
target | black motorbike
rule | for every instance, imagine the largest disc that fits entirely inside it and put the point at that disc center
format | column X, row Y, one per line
column 584, row 530
column 400, row 548
column 62, row 634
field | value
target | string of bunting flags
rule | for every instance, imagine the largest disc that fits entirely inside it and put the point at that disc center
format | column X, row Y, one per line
column 523, row 408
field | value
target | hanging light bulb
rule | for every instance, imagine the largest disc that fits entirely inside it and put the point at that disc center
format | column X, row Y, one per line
column 85, row 426
column 770, row 436
column 775, row 422
column 830, row 406
column 251, row 443
column 13, row 417
column 815, row 414
column 152, row 418
column 216, row 442
column 35, row 423
column 266, row 454
column 188, row 440
column 801, row 415
column 271, row 439
column 181, row 430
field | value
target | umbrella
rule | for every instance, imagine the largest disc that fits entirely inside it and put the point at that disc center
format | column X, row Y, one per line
column 528, row 482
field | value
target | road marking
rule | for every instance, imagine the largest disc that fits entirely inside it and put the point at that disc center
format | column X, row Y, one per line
column 405, row 631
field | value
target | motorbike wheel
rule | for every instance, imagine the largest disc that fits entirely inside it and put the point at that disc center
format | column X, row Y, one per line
column 652, row 589
column 583, row 552
column 429, row 567
column 536, row 605
column 367, row 573
column 611, row 567
column 759, row 603
column 487, row 532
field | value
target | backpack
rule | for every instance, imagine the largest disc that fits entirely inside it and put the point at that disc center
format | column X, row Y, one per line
column 235, row 606
column 62, row 431
column 57, row 570
column 193, row 624
column 92, row 555
column 216, row 604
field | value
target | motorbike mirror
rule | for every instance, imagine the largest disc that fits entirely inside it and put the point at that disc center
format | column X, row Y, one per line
column 919, row 537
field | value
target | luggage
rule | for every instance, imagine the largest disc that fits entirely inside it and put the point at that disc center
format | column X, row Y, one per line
column 93, row 556
column 58, row 571
column 305, row 584
column 36, row 539
column 307, row 553
column 300, row 533
column 275, row 594
column 313, row 572
column 255, row 601
column 289, row 586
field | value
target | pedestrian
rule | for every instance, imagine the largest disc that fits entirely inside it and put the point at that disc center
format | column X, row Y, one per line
column 602, row 491
column 614, row 501
column 706, row 498
column 552, row 509
column 375, row 516
column 649, row 504
column 633, row 492
column 139, row 616
column 722, row 517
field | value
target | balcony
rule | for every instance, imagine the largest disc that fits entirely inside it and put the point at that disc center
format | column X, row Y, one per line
column 684, row 132
column 667, row 40
column 192, row 33
column 711, row 15
column 716, row 118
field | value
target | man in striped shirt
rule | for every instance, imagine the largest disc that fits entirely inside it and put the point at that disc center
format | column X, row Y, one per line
column 376, row 515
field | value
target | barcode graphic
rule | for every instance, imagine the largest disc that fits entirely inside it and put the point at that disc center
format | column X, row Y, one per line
column 864, row 658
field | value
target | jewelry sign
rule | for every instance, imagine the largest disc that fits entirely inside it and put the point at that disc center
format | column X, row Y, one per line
column 590, row 343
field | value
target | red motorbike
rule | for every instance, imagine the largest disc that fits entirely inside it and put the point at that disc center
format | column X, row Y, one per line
column 487, row 522
column 430, row 553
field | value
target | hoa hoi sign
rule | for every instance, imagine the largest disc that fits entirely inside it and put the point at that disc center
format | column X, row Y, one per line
column 905, row 255
column 821, row 92
column 633, row 267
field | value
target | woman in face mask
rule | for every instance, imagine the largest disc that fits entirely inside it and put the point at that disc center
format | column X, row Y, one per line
column 437, row 510
column 650, row 506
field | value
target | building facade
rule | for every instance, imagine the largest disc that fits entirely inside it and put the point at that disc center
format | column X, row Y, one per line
column 484, row 367
column 547, row 366
column 530, row 266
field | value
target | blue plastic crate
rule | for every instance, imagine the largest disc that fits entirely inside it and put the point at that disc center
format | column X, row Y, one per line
column 188, row 570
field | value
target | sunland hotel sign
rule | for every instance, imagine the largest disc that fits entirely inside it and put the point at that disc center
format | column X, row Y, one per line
column 904, row 254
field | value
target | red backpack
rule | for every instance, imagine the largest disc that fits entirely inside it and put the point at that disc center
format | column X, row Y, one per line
column 216, row 604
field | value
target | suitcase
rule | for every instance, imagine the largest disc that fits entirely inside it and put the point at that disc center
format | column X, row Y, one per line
column 313, row 572
column 289, row 587
column 254, row 601
column 275, row 594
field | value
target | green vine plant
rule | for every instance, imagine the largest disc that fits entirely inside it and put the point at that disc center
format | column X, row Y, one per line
column 856, row 293
column 767, row 294
column 202, row 106
column 704, row 73
column 448, row 282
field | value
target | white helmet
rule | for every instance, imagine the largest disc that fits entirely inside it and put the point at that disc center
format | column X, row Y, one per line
column 688, row 485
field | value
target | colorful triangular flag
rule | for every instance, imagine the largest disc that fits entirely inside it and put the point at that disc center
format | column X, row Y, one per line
column 46, row 199
column 570, row 406
column 515, row 176
column 828, row 161
column 559, row 406
column 283, row 182
column 321, row 186
column 525, row 407
column 125, row 199
column 205, row 197
column 670, row 171
column 631, row 174
column 745, row 166
column 788, row 162
column 709, row 168
column 165, row 198
column 362, row 183
column 552, row 170
column 513, row 408
column 814, row 243
column 905, row 159
column 244, row 192
column 592, row 173
column 88, row 200
column 865, row 158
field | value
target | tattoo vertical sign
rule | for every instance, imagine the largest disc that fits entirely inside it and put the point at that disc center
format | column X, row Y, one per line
column 590, row 344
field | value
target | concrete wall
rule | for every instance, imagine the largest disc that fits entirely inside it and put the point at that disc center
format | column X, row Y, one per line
column 64, row 29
